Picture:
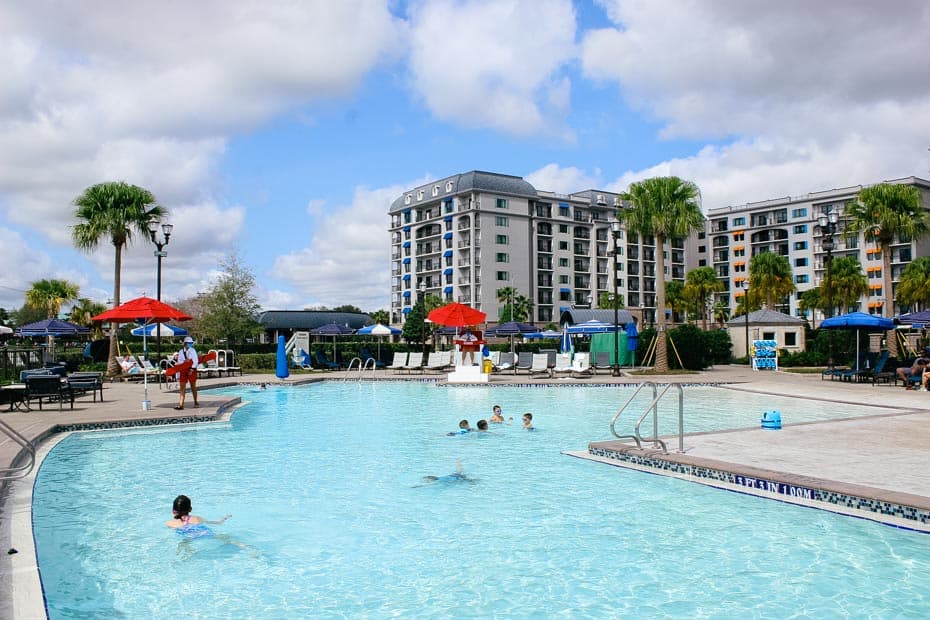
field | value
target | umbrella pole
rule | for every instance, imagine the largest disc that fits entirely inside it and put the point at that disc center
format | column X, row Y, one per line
column 146, row 403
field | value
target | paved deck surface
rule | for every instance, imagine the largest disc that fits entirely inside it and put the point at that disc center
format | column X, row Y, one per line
column 888, row 452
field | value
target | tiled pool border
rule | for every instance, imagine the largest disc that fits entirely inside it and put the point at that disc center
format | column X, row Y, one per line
column 888, row 508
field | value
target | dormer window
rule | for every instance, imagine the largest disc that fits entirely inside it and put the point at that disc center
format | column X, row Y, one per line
column 420, row 194
column 448, row 186
column 435, row 190
column 407, row 199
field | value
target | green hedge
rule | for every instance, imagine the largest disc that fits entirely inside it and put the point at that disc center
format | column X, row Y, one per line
column 251, row 362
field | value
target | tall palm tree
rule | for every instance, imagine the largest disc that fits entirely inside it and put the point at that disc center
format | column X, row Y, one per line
column 721, row 312
column 847, row 283
column 114, row 212
column 770, row 277
column 675, row 296
column 83, row 311
column 505, row 296
column 522, row 308
column 664, row 208
column 914, row 287
column 700, row 284
column 51, row 295
column 884, row 212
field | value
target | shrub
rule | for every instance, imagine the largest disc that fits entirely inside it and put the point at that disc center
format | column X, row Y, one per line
column 257, row 361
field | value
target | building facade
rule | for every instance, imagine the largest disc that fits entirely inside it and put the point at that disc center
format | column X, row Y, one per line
column 789, row 226
column 467, row 236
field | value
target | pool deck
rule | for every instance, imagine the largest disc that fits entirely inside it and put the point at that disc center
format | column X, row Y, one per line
column 880, row 460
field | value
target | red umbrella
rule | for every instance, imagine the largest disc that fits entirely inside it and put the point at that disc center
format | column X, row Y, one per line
column 456, row 315
column 143, row 309
column 150, row 311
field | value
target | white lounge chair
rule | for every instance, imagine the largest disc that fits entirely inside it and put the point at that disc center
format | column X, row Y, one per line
column 540, row 365
column 231, row 367
column 563, row 365
column 414, row 362
column 439, row 360
column 400, row 361
column 505, row 361
column 581, row 366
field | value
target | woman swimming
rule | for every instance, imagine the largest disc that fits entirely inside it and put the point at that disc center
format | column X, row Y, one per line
column 188, row 525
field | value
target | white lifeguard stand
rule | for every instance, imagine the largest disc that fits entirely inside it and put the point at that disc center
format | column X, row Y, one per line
column 467, row 374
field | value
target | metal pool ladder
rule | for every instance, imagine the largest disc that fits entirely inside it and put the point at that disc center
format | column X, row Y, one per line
column 20, row 471
column 654, row 408
column 361, row 368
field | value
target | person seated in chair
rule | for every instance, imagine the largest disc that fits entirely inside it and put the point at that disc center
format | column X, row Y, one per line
column 905, row 373
column 129, row 365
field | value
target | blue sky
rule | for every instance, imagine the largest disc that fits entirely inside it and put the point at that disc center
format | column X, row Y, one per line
column 282, row 131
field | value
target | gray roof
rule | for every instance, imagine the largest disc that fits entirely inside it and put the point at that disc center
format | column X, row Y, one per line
column 765, row 317
column 476, row 180
column 580, row 315
column 310, row 319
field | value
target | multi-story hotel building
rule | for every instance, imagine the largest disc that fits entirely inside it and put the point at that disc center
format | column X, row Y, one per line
column 468, row 235
column 789, row 226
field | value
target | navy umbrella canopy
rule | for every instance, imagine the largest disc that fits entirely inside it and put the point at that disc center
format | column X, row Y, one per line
column 914, row 317
column 51, row 327
column 859, row 321
column 511, row 328
column 333, row 329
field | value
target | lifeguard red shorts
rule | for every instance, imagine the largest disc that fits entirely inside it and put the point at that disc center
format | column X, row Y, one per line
column 185, row 376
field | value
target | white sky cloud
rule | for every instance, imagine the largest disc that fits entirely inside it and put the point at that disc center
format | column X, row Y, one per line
column 563, row 180
column 493, row 63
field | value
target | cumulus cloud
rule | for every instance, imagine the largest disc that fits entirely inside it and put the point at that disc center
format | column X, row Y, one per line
column 563, row 180
column 796, row 106
column 348, row 259
column 150, row 93
column 492, row 63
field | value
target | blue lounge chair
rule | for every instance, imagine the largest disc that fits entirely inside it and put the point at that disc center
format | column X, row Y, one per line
column 877, row 371
column 323, row 362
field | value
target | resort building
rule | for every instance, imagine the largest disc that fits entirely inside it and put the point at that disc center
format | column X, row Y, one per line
column 789, row 226
column 469, row 235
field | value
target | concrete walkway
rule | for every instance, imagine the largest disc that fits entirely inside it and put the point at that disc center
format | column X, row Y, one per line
column 882, row 456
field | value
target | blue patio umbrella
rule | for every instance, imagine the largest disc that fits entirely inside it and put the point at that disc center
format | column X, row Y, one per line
column 549, row 333
column 333, row 329
column 511, row 328
column 381, row 331
column 590, row 327
column 152, row 329
column 51, row 327
column 912, row 318
column 859, row 321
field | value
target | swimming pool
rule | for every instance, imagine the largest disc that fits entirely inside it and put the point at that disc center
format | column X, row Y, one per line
column 322, row 485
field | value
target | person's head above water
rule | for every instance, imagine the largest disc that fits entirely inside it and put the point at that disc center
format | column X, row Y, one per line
column 463, row 424
column 182, row 506
column 482, row 425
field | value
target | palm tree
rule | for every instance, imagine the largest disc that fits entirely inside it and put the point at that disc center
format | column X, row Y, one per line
column 522, row 308
column 721, row 312
column 505, row 296
column 113, row 212
column 664, row 208
column 83, row 311
column 771, row 278
column 810, row 300
column 914, row 287
column 884, row 212
column 675, row 296
column 51, row 295
column 847, row 283
column 700, row 284
column 380, row 316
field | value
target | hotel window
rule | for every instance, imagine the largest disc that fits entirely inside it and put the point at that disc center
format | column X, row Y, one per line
column 800, row 245
column 503, row 257
column 800, row 262
column 501, row 203
column 420, row 194
column 435, row 190
column 501, row 220
column 799, row 212
column 563, row 245
column 563, row 229
column 503, row 276
column 739, row 236
column 873, row 255
column 800, row 229
column 407, row 199
column 801, row 279
column 739, row 221
column 563, row 262
column 501, row 239
column 565, row 212
column 737, row 252
column 449, row 186
column 739, row 267
column 904, row 255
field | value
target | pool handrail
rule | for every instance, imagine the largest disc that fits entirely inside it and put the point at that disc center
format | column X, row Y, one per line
column 654, row 408
column 362, row 367
column 20, row 471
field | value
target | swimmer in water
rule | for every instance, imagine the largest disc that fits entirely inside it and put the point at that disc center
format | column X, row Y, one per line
column 192, row 526
column 496, row 416
column 463, row 428
column 457, row 476
column 482, row 426
column 528, row 421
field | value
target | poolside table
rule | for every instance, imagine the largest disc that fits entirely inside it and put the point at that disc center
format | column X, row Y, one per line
column 13, row 395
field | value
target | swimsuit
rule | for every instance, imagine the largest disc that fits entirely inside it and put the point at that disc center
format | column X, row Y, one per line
column 193, row 530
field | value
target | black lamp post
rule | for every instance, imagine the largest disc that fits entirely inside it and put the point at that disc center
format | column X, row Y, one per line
column 615, row 233
column 828, row 224
column 422, row 301
column 745, row 285
column 160, row 254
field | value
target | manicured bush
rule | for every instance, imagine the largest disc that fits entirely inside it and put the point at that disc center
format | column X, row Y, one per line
column 254, row 362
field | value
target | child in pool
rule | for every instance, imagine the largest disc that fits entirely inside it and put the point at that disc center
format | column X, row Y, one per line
column 496, row 416
column 528, row 421
column 463, row 428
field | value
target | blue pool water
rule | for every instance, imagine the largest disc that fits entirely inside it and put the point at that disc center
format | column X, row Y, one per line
column 322, row 485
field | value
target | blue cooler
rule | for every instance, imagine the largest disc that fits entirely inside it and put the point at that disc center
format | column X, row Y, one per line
column 771, row 420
